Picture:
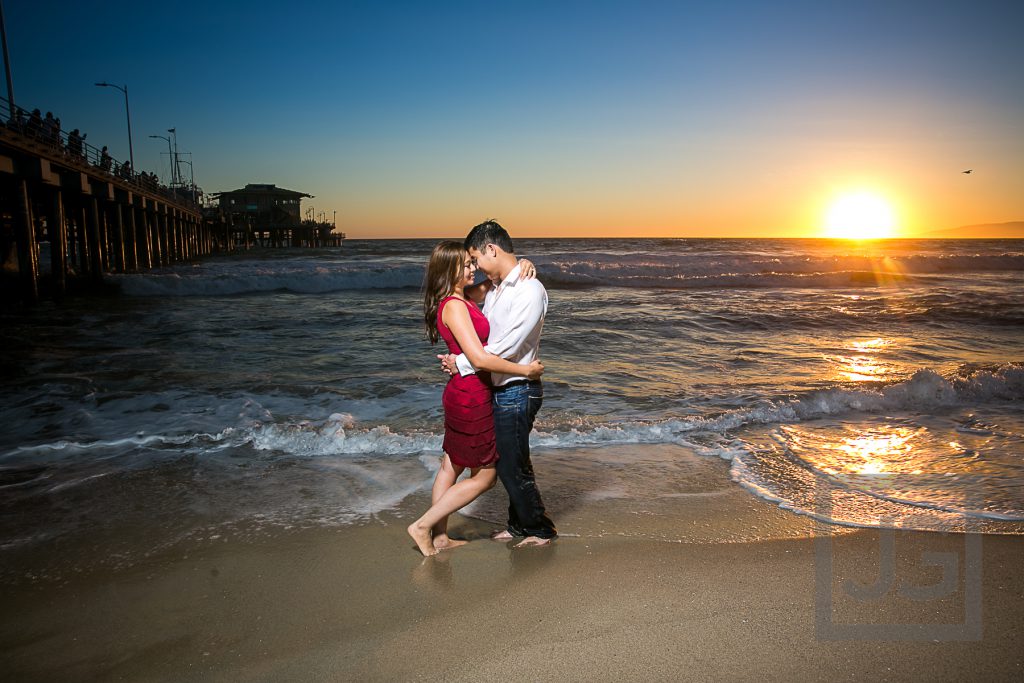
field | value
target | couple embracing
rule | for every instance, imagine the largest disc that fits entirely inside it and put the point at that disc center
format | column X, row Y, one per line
column 494, row 392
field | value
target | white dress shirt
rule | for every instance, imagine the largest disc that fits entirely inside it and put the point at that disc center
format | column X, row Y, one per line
column 515, row 309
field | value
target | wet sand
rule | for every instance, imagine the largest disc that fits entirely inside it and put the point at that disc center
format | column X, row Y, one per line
column 633, row 597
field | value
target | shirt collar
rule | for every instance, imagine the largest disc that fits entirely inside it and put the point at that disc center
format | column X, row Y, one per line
column 511, row 278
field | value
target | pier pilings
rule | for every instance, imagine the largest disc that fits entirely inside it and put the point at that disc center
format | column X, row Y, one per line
column 91, row 221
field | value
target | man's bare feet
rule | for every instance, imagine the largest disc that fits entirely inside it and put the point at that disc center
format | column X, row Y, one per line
column 422, row 538
column 533, row 540
column 442, row 542
column 502, row 535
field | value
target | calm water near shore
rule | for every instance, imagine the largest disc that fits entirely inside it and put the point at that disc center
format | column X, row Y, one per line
column 868, row 385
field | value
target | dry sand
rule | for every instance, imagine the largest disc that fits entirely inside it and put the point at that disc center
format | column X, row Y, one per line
column 674, row 599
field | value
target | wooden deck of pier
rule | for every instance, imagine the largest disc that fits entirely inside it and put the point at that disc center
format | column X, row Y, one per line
column 94, row 221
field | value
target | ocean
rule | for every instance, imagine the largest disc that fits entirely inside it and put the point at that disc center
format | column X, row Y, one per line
column 874, row 384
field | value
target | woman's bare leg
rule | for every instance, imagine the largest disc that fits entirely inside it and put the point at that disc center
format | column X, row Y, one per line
column 456, row 497
column 446, row 477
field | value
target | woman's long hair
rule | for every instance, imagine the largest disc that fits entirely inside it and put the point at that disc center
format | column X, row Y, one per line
column 443, row 272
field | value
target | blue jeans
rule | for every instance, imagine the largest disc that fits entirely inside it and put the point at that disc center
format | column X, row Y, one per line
column 515, row 407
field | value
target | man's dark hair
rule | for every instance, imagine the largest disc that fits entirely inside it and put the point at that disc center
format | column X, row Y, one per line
column 488, row 232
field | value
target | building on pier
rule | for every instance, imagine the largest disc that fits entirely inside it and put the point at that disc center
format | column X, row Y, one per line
column 271, row 216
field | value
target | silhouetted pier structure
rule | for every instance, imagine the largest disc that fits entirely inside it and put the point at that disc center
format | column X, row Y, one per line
column 266, row 215
column 96, row 214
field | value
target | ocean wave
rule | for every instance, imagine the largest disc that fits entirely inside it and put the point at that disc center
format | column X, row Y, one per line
column 588, row 269
column 925, row 390
column 645, row 278
column 697, row 271
column 340, row 434
column 313, row 277
column 331, row 437
column 376, row 466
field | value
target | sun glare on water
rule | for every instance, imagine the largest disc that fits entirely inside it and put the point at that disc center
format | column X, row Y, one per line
column 860, row 216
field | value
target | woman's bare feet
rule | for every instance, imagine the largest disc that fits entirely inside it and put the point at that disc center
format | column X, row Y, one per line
column 502, row 535
column 443, row 542
column 422, row 537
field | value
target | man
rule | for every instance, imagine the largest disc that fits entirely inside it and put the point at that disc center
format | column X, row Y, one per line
column 515, row 308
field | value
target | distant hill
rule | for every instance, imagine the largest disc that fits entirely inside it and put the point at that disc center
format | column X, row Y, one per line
column 1011, row 230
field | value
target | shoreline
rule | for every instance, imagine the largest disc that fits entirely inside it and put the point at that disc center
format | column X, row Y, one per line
column 726, row 587
column 359, row 604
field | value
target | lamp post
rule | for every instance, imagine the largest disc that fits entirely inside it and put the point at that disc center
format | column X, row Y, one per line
column 191, row 174
column 177, row 171
column 7, row 64
column 170, row 156
column 128, row 115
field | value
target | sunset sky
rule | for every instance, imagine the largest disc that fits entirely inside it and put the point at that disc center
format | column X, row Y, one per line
column 557, row 118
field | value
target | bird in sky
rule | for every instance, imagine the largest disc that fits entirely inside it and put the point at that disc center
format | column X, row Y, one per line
column 968, row 171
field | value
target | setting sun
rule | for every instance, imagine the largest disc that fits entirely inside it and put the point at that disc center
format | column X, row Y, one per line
column 860, row 216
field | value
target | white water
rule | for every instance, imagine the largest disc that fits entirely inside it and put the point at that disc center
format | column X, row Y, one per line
column 297, row 388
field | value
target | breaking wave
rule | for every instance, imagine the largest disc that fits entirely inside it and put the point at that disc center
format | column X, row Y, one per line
column 593, row 269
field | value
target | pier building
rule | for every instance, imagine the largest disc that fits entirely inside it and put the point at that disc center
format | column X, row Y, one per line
column 271, row 216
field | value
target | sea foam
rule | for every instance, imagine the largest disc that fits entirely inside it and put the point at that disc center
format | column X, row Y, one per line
column 342, row 435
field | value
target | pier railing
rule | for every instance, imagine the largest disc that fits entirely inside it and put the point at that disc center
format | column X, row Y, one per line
column 93, row 214
column 32, row 127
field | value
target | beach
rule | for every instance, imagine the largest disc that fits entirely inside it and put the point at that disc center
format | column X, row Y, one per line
column 779, row 253
column 772, row 459
column 358, row 603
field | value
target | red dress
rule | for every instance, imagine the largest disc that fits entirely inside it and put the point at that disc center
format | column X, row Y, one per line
column 468, row 416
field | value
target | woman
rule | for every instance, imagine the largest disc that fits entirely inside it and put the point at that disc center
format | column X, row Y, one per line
column 450, row 313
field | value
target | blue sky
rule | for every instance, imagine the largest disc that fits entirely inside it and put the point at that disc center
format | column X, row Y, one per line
column 559, row 117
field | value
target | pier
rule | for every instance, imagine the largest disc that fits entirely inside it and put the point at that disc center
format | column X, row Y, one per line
column 70, row 214
column 95, row 214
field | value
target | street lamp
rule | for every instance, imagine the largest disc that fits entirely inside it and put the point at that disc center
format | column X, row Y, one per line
column 177, row 171
column 128, row 115
column 192, row 176
column 7, row 64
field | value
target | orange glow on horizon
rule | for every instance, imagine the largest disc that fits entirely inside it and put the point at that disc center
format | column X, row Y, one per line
column 887, row 208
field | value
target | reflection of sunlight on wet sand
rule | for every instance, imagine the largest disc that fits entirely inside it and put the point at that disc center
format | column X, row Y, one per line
column 886, row 449
column 863, row 367
column 881, row 450
column 874, row 453
column 926, row 471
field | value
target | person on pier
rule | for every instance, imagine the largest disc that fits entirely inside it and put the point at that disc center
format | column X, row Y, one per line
column 34, row 128
column 17, row 121
column 75, row 143
column 46, row 131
